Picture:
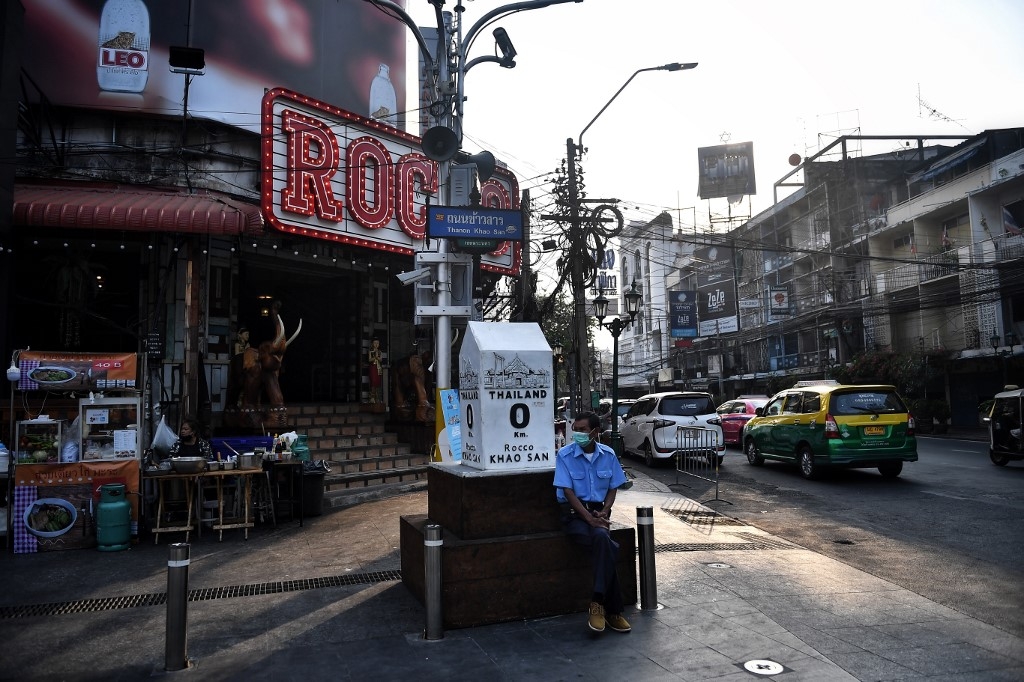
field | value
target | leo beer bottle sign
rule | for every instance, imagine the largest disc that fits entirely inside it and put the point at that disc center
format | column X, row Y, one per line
column 123, row 58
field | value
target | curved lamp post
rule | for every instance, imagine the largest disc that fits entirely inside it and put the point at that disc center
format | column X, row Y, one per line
column 580, row 389
column 556, row 360
column 615, row 327
column 1011, row 341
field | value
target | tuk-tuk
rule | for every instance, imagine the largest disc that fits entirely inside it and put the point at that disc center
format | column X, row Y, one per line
column 1004, row 427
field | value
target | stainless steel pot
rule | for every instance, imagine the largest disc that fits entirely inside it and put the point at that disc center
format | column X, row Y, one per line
column 188, row 465
column 248, row 460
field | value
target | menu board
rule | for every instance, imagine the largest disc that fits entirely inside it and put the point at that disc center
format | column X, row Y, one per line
column 56, row 371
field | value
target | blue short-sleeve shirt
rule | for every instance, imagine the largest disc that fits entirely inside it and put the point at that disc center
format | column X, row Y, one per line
column 591, row 481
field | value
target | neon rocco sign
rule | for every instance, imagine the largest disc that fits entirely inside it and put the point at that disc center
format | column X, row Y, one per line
column 331, row 174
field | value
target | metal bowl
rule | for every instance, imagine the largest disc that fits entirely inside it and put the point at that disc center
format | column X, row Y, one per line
column 188, row 465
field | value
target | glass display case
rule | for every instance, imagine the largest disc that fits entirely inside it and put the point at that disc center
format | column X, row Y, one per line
column 110, row 428
column 38, row 441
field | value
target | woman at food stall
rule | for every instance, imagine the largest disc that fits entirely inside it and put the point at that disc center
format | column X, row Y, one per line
column 190, row 443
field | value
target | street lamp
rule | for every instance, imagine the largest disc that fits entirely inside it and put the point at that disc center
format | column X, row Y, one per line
column 615, row 327
column 556, row 360
column 448, row 69
column 1011, row 340
column 578, row 241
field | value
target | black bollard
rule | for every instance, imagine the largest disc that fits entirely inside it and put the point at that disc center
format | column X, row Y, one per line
column 648, row 574
column 432, row 543
column 175, row 657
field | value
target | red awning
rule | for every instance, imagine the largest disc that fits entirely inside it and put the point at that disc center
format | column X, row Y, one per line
column 134, row 208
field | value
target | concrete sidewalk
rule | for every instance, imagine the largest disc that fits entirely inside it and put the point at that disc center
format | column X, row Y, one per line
column 326, row 602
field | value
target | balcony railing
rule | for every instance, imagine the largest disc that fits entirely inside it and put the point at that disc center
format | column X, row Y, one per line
column 924, row 270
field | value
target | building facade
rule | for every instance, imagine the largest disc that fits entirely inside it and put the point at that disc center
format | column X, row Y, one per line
column 914, row 252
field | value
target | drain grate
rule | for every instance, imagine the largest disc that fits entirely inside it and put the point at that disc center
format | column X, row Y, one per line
column 709, row 518
column 206, row 594
column 706, row 547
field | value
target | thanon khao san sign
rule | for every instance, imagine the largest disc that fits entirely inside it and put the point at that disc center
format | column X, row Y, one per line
column 506, row 398
column 334, row 175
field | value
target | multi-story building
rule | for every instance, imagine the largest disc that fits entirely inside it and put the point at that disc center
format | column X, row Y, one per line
column 916, row 250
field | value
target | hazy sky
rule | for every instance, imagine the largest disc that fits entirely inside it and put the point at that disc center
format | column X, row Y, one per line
column 788, row 75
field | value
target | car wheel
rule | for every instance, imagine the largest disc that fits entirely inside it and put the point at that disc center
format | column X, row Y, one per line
column 891, row 469
column 998, row 460
column 752, row 455
column 807, row 467
column 648, row 454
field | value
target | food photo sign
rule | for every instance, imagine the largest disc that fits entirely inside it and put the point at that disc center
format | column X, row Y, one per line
column 56, row 371
column 55, row 504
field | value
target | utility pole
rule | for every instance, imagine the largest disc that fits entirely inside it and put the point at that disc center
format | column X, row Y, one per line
column 579, row 388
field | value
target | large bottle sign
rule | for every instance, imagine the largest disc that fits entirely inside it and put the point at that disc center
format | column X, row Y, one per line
column 506, row 397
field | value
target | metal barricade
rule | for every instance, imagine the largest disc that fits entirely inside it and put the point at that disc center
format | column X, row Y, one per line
column 697, row 453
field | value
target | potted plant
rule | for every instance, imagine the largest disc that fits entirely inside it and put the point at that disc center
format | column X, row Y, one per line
column 940, row 414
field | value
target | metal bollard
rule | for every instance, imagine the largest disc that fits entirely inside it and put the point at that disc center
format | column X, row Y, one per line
column 648, row 574
column 177, row 608
column 432, row 543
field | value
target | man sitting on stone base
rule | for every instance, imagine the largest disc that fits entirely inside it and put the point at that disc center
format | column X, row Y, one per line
column 587, row 474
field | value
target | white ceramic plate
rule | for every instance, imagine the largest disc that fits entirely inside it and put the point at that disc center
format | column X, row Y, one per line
column 52, row 375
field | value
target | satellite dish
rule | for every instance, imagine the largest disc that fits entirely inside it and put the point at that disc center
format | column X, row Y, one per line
column 794, row 159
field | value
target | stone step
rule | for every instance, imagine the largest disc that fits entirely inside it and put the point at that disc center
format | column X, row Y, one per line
column 374, row 477
column 382, row 464
column 348, row 497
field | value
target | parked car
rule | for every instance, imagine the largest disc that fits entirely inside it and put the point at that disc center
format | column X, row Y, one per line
column 622, row 407
column 831, row 425
column 650, row 427
column 736, row 413
column 1004, row 427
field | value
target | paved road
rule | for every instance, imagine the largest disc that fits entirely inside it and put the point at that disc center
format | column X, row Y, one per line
column 951, row 528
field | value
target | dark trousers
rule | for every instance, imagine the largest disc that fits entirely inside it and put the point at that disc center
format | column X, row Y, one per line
column 604, row 552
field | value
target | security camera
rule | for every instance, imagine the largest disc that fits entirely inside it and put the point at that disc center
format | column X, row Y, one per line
column 407, row 278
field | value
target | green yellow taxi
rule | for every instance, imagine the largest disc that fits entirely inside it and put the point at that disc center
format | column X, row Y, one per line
column 818, row 425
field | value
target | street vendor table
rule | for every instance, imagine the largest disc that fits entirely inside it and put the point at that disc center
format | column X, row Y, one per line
column 285, row 478
column 192, row 483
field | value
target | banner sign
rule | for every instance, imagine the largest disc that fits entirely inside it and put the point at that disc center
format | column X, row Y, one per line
column 57, row 371
column 682, row 306
column 452, row 437
column 726, row 170
column 778, row 300
column 335, row 175
column 716, row 289
column 94, row 54
column 52, row 503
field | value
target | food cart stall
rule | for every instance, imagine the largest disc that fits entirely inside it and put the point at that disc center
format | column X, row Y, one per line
column 59, row 465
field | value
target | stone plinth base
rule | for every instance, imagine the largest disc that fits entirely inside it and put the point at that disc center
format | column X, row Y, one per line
column 511, row 578
column 504, row 555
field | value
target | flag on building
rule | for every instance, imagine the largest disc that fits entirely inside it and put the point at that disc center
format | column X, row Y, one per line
column 1010, row 225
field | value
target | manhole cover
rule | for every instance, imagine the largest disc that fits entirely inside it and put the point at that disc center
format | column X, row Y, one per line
column 763, row 667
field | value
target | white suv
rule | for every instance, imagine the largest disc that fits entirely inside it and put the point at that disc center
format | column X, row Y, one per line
column 649, row 429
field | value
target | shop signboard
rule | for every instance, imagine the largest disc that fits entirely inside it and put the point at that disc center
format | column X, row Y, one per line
column 716, row 289
column 60, row 371
column 334, row 175
column 683, row 314
column 52, row 503
column 114, row 54
column 506, row 397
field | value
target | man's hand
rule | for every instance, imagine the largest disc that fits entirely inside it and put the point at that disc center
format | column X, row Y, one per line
column 599, row 519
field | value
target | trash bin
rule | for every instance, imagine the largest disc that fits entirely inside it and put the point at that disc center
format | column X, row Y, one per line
column 312, row 491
